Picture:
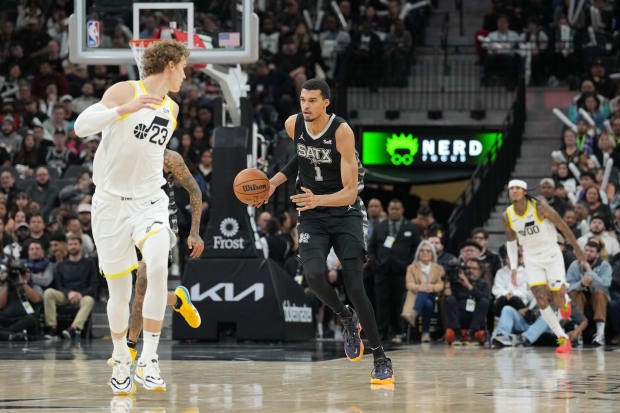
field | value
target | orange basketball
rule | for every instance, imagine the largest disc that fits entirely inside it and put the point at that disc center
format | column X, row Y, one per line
column 251, row 186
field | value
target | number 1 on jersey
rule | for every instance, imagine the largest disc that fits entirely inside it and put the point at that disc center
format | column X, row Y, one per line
column 318, row 176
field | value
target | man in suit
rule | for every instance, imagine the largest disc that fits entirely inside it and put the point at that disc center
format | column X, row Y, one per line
column 391, row 249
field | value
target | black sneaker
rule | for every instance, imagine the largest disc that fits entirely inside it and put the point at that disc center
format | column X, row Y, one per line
column 382, row 373
column 52, row 334
column 522, row 341
column 19, row 336
column 353, row 345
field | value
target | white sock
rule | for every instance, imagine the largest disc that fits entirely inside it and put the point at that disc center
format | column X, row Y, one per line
column 600, row 329
column 552, row 321
column 121, row 351
column 149, row 348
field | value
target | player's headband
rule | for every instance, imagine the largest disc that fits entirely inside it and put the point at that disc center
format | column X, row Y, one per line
column 518, row 183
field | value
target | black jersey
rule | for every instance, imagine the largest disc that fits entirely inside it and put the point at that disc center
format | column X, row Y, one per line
column 319, row 161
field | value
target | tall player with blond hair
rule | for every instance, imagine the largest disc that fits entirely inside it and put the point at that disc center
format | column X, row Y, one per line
column 129, row 208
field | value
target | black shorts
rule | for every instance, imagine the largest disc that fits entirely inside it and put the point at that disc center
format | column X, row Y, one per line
column 318, row 234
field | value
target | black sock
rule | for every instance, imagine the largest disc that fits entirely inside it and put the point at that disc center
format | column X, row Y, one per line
column 131, row 344
column 378, row 352
column 178, row 304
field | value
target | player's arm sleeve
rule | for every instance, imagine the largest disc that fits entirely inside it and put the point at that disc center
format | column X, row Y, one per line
column 94, row 119
column 291, row 168
column 513, row 254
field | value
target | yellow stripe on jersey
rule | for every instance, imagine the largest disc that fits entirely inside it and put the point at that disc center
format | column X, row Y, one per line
column 174, row 119
column 509, row 218
column 536, row 213
column 527, row 209
column 163, row 102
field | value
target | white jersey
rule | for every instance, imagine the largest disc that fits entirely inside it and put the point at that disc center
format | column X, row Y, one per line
column 130, row 159
column 537, row 237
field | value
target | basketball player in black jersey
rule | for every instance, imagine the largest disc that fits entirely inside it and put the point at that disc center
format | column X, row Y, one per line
column 330, row 215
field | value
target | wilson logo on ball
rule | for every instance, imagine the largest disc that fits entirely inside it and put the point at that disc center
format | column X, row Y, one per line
column 253, row 187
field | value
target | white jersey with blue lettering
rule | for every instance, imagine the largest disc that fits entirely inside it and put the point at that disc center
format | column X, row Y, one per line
column 129, row 161
column 537, row 237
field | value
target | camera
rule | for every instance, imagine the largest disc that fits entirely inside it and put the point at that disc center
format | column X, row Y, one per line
column 453, row 269
column 13, row 273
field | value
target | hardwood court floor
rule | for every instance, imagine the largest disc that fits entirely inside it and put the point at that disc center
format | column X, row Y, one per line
column 435, row 378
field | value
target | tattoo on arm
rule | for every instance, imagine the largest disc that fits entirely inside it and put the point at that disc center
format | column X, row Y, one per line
column 174, row 163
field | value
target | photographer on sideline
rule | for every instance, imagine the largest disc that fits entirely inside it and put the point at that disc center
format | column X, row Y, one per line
column 467, row 301
column 17, row 295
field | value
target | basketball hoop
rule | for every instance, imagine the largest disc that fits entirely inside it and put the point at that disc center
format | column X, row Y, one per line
column 138, row 47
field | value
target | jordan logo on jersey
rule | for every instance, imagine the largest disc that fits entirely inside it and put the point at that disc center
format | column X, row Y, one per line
column 530, row 228
column 314, row 155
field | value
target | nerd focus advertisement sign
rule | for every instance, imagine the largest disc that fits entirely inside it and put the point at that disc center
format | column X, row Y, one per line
column 411, row 147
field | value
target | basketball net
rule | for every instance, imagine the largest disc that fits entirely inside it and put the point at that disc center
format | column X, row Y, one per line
column 138, row 47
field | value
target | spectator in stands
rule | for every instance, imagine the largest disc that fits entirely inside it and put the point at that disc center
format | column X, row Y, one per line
column 84, row 216
column 261, row 222
column 28, row 157
column 22, row 233
column 269, row 39
column 565, row 178
column 37, row 263
column 43, row 192
column 617, row 222
column 424, row 280
column 598, row 227
column 425, row 221
column 333, row 42
column 86, row 99
column 73, row 227
column 375, row 214
column 398, row 50
column 504, row 290
column 48, row 76
column 567, row 253
column 589, row 284
column 536, row 41
column 17, row 296
column 598, row 75
column 481, row 236
column 547, row 190
column 467, row 304
column 9, row 139
column 583, row 216
column 57, row 121
column 595, row 205
column 77, row 281
column 9, row 85
column 291, row 62
column 59, row 157
column 87, row 155
column 391, row 248
column 501, row 60
column 278, row 246
column 366, row 53
column 7, row 187
column 37, row 232
column 443, row 258
column 67, row 102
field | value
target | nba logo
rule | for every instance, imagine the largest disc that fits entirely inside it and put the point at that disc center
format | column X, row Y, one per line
column 92, row 33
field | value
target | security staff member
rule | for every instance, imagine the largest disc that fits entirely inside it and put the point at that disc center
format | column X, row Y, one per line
column 391, row 248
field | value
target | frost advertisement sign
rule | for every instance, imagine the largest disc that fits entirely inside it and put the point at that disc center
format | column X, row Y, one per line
column 410, row 147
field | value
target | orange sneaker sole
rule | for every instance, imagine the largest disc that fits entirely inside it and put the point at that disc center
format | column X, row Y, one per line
column 361, row 346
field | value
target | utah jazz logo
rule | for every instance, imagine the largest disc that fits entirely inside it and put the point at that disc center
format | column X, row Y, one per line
column 530, row 228
column 402, row 149
column 156, row 132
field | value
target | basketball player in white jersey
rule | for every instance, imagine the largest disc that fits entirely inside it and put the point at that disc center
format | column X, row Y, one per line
column 533, row 223
column 129, row 207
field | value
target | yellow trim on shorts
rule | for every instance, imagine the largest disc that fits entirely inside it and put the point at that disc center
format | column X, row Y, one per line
column 133, row 267
column 509, row 218
column 526, row 210
column 555, row 289
column 135, row 95
column 536, row 214
column 155, row 231
column 537, row 284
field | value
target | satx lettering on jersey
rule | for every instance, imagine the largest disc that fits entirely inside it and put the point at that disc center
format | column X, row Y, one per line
column 314, row 155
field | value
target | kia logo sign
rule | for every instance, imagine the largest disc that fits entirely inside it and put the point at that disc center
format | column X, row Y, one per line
column 214, row 293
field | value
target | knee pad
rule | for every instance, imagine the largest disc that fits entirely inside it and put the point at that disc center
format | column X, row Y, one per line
column 155, row 253
column 118, row 303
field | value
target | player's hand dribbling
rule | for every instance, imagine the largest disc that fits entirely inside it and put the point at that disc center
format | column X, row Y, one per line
column 272, row 189
column 143, row 101
column 196, row 245
column 305, row 201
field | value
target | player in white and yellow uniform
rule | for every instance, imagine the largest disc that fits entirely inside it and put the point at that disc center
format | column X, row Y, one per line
column 533, row 223
column 129, row 207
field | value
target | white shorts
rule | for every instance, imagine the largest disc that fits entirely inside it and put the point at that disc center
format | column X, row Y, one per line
column 547, row 269
column 120, row 225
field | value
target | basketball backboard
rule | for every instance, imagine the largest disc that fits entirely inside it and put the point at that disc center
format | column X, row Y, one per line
column 217, row 31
